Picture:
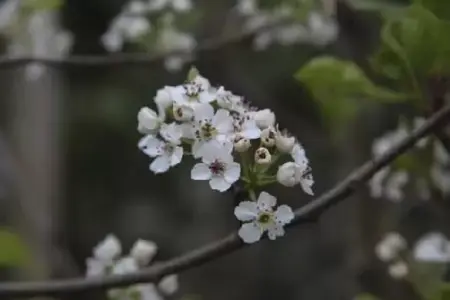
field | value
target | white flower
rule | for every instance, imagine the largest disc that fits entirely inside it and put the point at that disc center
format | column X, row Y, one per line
column 219, row 168
column 148, row 121
column 376, row 182
column 264, row 118
column 211, row 130
column 108, row 250
column 143, row 251
column 182, row 5
column 241, row 144
column 291, row 173
column 284, row 142
column 167, row 152
column 398, row 270
column 262, row 156
column 168, row 285
column 433, row 247
column 95, row 267
column 268, row 137
column 125, row 265
column 245, row 126
column 229, row 101
column 196, row 91
column 395, row 184
column 261, row 218
column 136, row 7
column 112, row 40
column 388, row 248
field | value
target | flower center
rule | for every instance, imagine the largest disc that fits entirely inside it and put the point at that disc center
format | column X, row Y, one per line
column 217, row 167
column 207, row 131
column 192, row 90
column 264, row 218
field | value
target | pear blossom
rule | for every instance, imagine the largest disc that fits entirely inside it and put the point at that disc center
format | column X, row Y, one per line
column 168, row 285
column 398, row 270
column 432, row 247
column 262, row 156
column 211, row 129
column 264, row 118
column 143, row 251
column 166, row 151
column 163, row 100
column 241, row 144
column 260, row 217
column 191, row 93
column 105, row 255
column 390, row 246
column 219, row 168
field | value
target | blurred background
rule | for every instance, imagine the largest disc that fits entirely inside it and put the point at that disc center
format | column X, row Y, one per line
column 71, row 172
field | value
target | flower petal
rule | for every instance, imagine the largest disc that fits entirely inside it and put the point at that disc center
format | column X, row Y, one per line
column 275, row 231
column 154, row 147
column 176, row 156
column 203, row 111
column 232, row 172
column 246, row 211
column 250, row 233
column 266, row 201
column 433, row 247
column 222, row 121
column 219, row 184
column 168, row 284
column 201, row 171
column 161, row 164
column 109, row 249
column 284, row 214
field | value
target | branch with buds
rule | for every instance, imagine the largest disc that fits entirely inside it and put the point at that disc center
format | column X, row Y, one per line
column 217, row 249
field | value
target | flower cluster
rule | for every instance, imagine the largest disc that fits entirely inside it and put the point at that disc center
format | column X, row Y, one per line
column 232, row 141
column 390, row 181
column 319, row 30
column 107, row 260
column 389, row 250
column 135, row 21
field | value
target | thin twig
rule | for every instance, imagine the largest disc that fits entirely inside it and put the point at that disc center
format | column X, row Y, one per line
column 143, row 58
column 232, row 242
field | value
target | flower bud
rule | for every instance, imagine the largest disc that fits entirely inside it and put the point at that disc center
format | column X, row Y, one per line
column 264, row 118
column 284, row 143
column 262, row 156
column 143, row 251
column 109, row 249
column 183, row 113
column 168, row 285
column 241, row 144
column 287, row 174
column 268, row 137
column 148, row 121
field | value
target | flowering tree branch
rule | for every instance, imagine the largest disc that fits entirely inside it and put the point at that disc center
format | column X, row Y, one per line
column 142, row 58
column 215, row 250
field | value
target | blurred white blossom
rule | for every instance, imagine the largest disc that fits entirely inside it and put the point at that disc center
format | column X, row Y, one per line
column 432, row 247
column 390, row 246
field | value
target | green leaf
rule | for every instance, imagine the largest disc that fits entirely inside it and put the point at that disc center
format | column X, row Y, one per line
column 441, row 8
column 339, row 86
column 366, row 296
column 13, row 251
column 43, row 4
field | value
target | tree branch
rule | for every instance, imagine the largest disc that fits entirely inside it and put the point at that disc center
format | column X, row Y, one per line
column 143, row 58
column 232, row 242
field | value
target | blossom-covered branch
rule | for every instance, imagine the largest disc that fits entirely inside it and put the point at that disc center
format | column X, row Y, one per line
column 140, row 58
column 232, row 242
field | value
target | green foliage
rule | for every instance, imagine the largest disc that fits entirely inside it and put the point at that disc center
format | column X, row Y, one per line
column 43, row 4
column 193, row 72
column 414, row 45
column 377, row 5
column 338, row 85
column 441, row 8
column 13, row 251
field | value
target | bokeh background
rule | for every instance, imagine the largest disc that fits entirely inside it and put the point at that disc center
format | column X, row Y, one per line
column 71, row 172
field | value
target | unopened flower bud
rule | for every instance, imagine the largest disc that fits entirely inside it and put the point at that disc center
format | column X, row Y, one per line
column 183, row 113
column 287, row 174
column 262, row 156
column 241, row 144
column 268, row 137
column 168, row 285
column 264, row 118
column 148, row 120
column 143, row 251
